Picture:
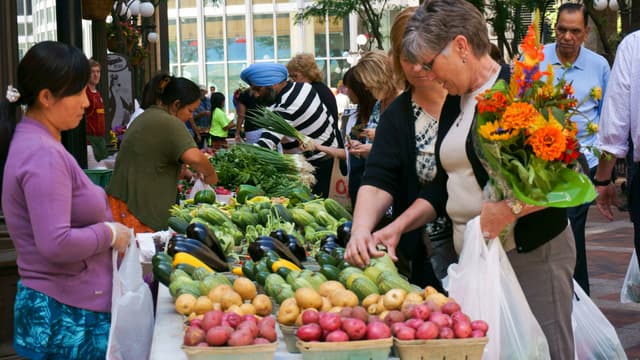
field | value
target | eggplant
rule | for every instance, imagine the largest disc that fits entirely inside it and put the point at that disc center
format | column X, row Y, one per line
column 343, row 233
column 197, row 249
column 202, row 233
column 296, row 248
column 328, row 244
column 263, row 243
column 281, row 235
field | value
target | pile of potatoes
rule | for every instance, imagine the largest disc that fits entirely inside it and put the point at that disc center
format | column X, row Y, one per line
column 241, row 298
column 333, row 297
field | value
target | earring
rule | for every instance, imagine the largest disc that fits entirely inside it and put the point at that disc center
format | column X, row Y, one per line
column 464, row 60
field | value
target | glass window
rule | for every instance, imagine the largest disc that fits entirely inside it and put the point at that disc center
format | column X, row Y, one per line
column 262, row 1
column 214, row 47
column 191, row 72
column 171, row 4
column 189, row 40
column 174, row 70
column 236, row 38
column 338, row 36
column 320, row 38
column 234, row 81
column 263, row 37
column 235, row 2
column 215, row 76
column 187, row 4
column 283, row 29
column 173, row 47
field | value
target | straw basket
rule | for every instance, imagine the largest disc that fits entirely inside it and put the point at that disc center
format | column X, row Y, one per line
column 289, row 336
column 444, row 349
column 96, row 9
column 346, row 350
column 253, row 352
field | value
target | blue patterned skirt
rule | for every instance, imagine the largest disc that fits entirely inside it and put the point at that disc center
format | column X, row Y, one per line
column 47, row 329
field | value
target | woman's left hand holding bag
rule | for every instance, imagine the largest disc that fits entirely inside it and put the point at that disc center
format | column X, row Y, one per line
column 120, row 236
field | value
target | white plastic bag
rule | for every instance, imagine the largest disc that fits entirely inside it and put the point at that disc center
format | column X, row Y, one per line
column 197, row 186
column 630, row 292
column 131, row 309
column 485, row 285
column 593, row 334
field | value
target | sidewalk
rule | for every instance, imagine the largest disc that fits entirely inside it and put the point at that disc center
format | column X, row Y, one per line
column 609, row 248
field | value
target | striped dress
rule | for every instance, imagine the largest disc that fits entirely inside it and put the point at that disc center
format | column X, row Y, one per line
column 300, row 105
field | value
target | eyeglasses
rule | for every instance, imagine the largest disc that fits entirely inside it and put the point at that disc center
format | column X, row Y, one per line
column 429, row 66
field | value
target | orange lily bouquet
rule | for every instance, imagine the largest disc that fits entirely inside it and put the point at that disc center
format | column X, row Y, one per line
column 526, row 140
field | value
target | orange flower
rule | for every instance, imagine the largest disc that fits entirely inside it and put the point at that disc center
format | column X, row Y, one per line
column 532, row 48
column 548, row 143
column 491, row 102
column 519, row 115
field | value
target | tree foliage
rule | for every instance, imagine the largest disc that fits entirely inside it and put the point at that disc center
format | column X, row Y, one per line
column 369, row 11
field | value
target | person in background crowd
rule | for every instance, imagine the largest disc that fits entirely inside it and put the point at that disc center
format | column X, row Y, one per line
column 246, row 104
column 212, row 90
column 342, row 99
column 94, row 114
column 149, row 95
column 58, row 220
column 619, row 125
column 496, row 54
column 300, row 105
column 202, row 119
column 153, row 150
column 540, row 246
column 374, row 72
column 303, row 68
column 404, row 153
column 587, row 72
column 220, row 123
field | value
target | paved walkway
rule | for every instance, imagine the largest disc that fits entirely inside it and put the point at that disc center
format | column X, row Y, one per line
column 609, row 248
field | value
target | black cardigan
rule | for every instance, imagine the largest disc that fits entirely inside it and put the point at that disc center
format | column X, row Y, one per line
column 531, row 231
column 391, row 165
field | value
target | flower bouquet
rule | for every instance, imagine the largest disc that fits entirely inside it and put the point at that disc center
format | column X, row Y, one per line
column 526, row 140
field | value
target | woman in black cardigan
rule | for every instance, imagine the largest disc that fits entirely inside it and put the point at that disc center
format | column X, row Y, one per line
column 402, row 158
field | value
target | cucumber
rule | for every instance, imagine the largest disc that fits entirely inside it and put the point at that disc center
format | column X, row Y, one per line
column 179, row 225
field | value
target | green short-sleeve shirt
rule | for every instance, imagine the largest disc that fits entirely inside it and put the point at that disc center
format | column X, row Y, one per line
column 148, row 165
column 218, row 123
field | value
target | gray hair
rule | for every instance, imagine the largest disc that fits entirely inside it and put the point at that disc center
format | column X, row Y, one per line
column 438, row 22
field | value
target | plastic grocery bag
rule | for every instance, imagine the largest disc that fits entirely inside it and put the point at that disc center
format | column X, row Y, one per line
column 197, row 186
column 485, row 286
column 630, row 292
column 593, row 334
column 131, row 309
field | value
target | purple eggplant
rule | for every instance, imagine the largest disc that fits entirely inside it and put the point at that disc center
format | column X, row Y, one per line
column 296, row 248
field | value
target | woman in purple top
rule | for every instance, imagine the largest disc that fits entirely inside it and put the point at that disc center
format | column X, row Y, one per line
column 59, row 221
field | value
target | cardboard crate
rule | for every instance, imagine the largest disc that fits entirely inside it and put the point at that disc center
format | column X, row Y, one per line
column 346, row 350
column 441, row 349
column 253, row 352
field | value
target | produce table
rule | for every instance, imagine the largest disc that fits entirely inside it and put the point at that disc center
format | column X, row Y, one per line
column 168, row 333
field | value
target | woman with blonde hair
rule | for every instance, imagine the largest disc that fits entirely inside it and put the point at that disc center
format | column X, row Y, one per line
column 303, row 68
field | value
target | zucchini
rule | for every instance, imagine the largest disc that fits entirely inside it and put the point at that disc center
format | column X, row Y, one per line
column 336, row 210
column 186, row 268
column 323, row 258
column 178, row 224
column 330, row 272
column 363, row 287
column 248, row 269
column 186, row 258
column 162, row 272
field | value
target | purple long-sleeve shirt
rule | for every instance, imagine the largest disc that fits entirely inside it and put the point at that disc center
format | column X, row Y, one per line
column 55, row 216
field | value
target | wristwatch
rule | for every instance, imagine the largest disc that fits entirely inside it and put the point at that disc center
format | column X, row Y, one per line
column 597, row 182
column 516, row 206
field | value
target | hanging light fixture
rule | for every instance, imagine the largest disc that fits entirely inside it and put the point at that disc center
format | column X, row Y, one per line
column 146, row 9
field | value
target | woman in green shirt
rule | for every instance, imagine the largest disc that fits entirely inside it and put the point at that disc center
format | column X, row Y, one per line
column 144, row 182
column 220, row 123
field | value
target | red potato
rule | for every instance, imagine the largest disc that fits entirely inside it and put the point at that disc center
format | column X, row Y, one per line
column 337, row 336
column 240, row 338
column 462, row 329
column 203, row 344
column 405, row 333
column 393, row 317
column 450, row 307
column 413, row 323
column 193, row 335
column 310, row 317
column 217, row 336
column 249, row 326
column 268, row 331
column 231, row 318
column 428, row 330
column 421, row 311
column 460, row 316
column 196, row 322
column 440, row 319
column 446, row 333
column 309, row 332
column 378, row 330
column 361, row 313
column 211, row 319
column 330, row 322
column 356, row 329
column 260, row 340
column 477, row 334
column 396, row 326
column 480, row 325
column 249, row 317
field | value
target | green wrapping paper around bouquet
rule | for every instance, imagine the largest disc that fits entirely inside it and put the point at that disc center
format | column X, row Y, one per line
column 525, row 138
